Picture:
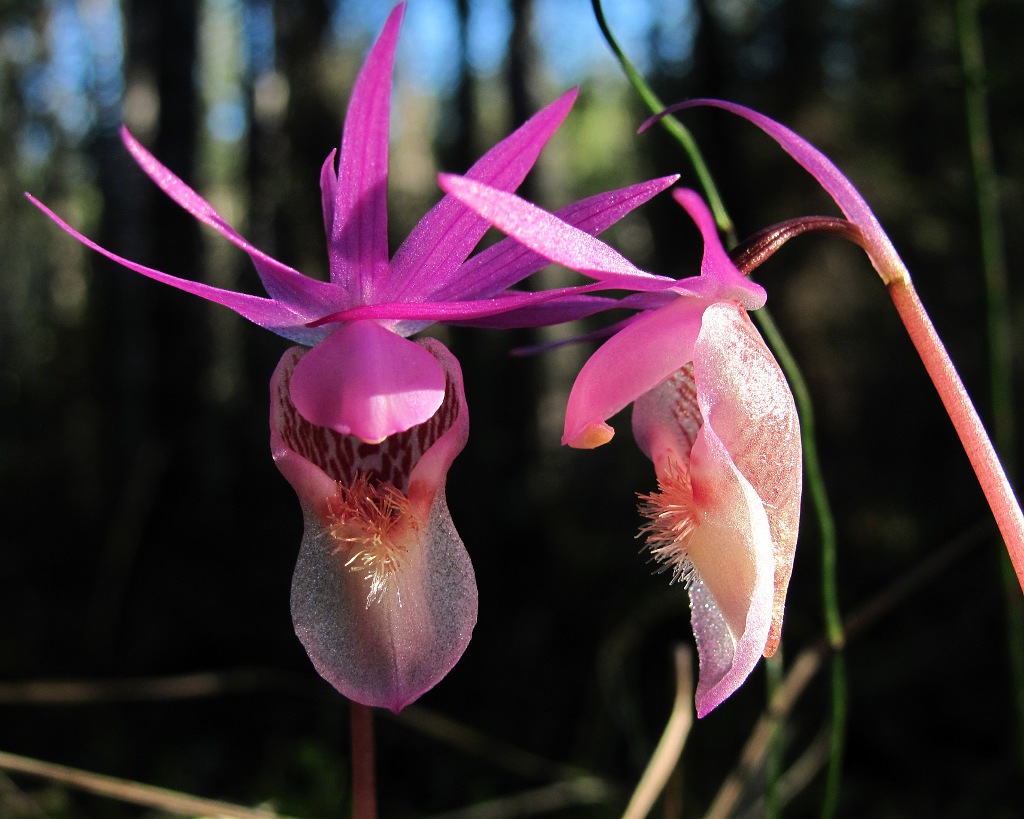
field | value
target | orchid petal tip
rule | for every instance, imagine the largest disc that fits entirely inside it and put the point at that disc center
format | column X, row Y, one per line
column 590, row 437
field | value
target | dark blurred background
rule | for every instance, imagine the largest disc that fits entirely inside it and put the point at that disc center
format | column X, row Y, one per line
column 145, row 533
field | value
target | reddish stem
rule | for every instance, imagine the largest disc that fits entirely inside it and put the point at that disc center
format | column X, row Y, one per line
column 364, row 786
column 965, row 419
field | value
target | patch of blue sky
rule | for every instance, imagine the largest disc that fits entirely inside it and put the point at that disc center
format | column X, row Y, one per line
column 68, row 75
column 226, row 120
column 568, row 37
column 82, row 80
column 103, row 26
column 18, row 42
column 571, row 42
column 258, row 22
column 429, row 52
column 490, row 26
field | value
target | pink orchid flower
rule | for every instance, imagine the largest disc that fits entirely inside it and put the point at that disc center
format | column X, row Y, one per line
column 365, row 422
column 714, row 413
column 887, row 262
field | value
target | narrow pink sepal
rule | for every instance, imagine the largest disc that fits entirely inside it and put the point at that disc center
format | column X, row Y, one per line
column 508, row 262
column 633, row 361
column 328, row 191
column 359, row 235
column 881, row 251
column 430, row 256
column 267, row 313
column 473, row 309
column 549, row 236
column 284, row 284
column 364, row 380
column 544, row 314
column 719, row 278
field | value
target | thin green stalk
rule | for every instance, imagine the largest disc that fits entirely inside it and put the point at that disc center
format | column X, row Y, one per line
column 674, row 127
column 812, row 464
column 999, row 321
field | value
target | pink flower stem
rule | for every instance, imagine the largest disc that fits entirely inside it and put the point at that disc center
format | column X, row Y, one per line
column 364, row 786
column 965, row 419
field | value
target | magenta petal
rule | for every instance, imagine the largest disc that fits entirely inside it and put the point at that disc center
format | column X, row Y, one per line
column 284, row 284
column 442, row 239
column 359, row 235
column 549, row 236
column 364, row 380
column 508, row 262
column 430, row 311
column 328, row 191
column 633, row 361
column 267, row 313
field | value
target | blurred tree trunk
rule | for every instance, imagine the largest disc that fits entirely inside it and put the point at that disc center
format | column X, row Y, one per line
column 798, row 77
column 521, row 60
column 311, row 127
column 148, row 341
column 457, row 148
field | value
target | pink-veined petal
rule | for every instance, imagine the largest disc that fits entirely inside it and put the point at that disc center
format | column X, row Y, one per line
column 267, row 313
column 880, row 249
column 284, row 284
column 380, row 645
column 508, row 262
column 549, row 236
column 305, row 453
column 441, row 241
column 633, row 361
column 452, row 419
column 359, row 235
column 366, row 381
column 719, row 279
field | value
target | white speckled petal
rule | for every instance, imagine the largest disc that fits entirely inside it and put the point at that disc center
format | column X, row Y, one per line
column 730, row 549
column 387, row 651
column 746, row 399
